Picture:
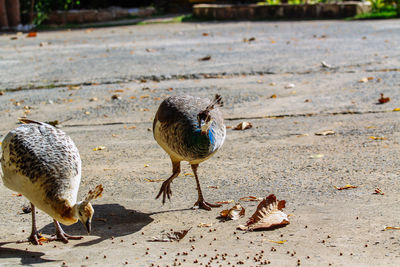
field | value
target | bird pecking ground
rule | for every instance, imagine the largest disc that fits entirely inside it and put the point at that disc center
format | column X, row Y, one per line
column 104, row 85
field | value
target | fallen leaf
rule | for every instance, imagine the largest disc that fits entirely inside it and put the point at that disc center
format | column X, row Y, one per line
column 93, row 99
column 17, row 195
column 243, row 126
column 188, row 174
column 250, row 198
column 201, row 225
column 363, row 80
column 326, row 65
column 132, row 97
column 267, row 215
column 273, row 96
column 119, row 91
column 170, row 237
column 31, row 34
column 26, row 209
column 1, row 92
column 383, row 99
column 391, row 228
column 326, row 132
column 213, row 186
column 290, row 85
column 377, row 138
column 73, row 87
column 278, row 242
column 146, row 165
column 89, row 30
column 150, row 50
column 347, row 186
column 233, row 213
column 225, row 202
column 396, row 109
column 378, row 191
column 99, row 148
column 205, row 58
column 205, row 34
column 116, row 97
column 144, row 96
column 153, row 180
column 272, row 84
column 317, row 156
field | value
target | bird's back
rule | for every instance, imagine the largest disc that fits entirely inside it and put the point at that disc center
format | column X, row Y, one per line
column 176, row 128
column 42, row 163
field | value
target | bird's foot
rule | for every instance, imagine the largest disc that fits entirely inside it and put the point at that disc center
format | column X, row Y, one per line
column 36, row 238
column 165, row 190
column 201, row 204
column 64, row 237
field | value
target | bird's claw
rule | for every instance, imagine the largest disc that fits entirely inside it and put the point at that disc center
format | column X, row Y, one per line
column 165, row 190
column 63, row 237
column 201, row 204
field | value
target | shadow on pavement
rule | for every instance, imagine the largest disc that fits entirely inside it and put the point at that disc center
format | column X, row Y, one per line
column 109, row 220
column 27, row 257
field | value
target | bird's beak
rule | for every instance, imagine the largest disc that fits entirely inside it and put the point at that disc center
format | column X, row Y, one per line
column 88, row 226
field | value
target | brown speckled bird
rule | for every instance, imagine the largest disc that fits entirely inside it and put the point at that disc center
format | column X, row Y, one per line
column 189, row 129
column 42, row 163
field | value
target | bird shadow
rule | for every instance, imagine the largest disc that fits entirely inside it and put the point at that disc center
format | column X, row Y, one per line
column 27, row 257
column 109, row 220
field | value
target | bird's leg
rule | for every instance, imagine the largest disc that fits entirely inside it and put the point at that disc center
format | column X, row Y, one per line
column 165, row 189
column 201, row 203
column 61, row 235
column 34, row 238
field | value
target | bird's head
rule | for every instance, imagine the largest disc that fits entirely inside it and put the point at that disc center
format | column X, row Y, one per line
column 85, row 210
column 204, row 118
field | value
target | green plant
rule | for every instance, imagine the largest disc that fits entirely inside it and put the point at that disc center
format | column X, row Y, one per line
column 377, row 5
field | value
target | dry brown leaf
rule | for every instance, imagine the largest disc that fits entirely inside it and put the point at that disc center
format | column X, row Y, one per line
column 273, row 96
column 116, row 97
column 377, row 138
column 16, row 195
column 347, row 186
column 153, row 180
column 73, row 87
column 383, row 99
column 233, row 213
column 150, row 50
column 378, row 191
column 26, row 209
column 396, row 109
column 326, row 132
column 278, row 242
column 250, row 198
column 206, row 58
column 144, row 96
column 243, row 126
column 31, row 34
column 391, row 228
column 268, row 215
column 119, row 91
column 205, row 34
column 170, row 237
column 225, row 202
column 363, row 80
column 201, row 225
column 99, row 148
